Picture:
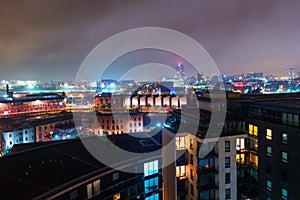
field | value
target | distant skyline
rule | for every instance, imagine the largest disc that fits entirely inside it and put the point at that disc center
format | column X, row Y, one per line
column 48, row 40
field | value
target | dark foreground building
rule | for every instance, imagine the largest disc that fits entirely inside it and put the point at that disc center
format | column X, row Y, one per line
column 66, row 170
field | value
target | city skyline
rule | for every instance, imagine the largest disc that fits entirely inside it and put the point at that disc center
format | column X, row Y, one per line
column 49, row 40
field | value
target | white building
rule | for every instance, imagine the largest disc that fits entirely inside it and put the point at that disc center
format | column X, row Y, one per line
column 18, row 135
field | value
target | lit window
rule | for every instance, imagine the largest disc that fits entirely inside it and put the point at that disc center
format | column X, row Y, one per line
column 115, row 176
column 255, row 130
column 269, row 151
column 250, row 129
column 269, row 185
column 284, row 138
column 96, row 185
column 284, row 156
column 150, row 168
column 240, row 143
column 227, row 146
column 180, row 171
column 153, row 197
column 284, row 194
column 269, row 134
column 89, row 189
column 180, row 142
column 117, row 196
column 151, row 185
column 227, row 162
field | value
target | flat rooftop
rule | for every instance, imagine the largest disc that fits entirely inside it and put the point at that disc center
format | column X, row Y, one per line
column 37, row 168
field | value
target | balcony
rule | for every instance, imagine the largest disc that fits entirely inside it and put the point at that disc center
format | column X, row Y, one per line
column 209, row 186
column 182, row 160
column 206, row 170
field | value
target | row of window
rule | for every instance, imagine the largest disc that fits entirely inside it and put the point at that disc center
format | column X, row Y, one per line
column 284, row 192
column 284, row 155
column 283, row 136
column 253, row 130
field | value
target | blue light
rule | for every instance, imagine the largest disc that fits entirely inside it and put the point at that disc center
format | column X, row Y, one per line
column 158, row 124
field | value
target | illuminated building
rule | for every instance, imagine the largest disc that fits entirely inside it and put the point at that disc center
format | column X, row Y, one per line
column 272, row 123
column 118, row 123
column 31, row 103
column 47, row 127
column 216, row 174
column 66, row 170
column 16, row 135
column 291, row 73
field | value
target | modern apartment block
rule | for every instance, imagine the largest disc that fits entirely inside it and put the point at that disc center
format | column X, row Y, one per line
column 272, row 123
column 208, row 166
column 256, row 155
column 66, row 170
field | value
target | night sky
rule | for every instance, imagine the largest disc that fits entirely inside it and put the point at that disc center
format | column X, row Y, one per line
column 48, row 40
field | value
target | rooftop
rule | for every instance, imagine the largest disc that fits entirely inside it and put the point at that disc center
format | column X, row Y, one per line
column 35, row 169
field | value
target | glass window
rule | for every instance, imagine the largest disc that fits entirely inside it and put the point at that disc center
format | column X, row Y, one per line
column 269, row 151
column 191, row 159
column 240, row 143
column 227, row 146
column 269, row 185
column 227, row 178
column 180, row 171
column 284, row 156
column 180, row 142
column 153, row 197
column 269, row 134
column 151, row 185
column 284, row 138
column 250, row 129
column 207, row 163
column 89, row 190
column 150, row 168
column 227, row 193
column 227, row 162
column 96, row 185
column 115, row 176
column 255, row 130
column 296, row 120
column 284, row 194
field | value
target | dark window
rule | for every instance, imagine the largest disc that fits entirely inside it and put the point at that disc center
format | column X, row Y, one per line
column 227, row 178
column 192, row 190
column 269, row 151
column 227, row 162
column 191, row 174
column 191, row 159
column 283, row 175
column 227, row 193
column 227, row 146
column 268, row 168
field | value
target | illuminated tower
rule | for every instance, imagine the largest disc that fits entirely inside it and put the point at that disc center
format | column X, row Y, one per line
column 291, row 73
column 180, row 75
